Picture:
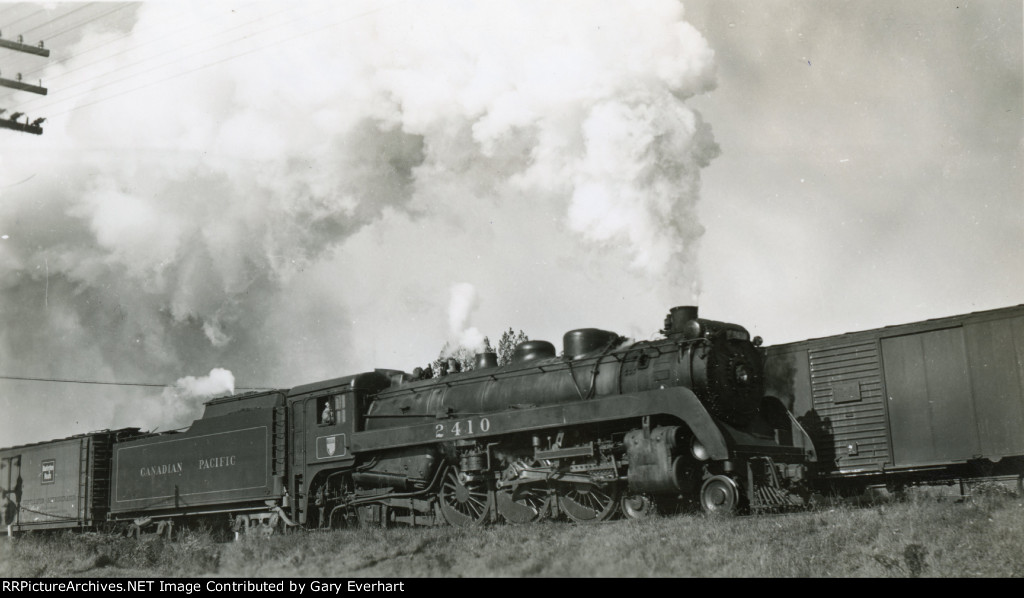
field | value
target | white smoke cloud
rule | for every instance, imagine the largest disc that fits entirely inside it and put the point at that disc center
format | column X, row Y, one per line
column 183, row 233
column 463, row 301
column 182, row 403
column 638, row 181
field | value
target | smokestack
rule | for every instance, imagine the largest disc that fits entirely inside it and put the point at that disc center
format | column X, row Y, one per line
column 677, row 317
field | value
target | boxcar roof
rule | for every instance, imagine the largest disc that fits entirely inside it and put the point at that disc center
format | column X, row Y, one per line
column 75, row 437
column 896, row 329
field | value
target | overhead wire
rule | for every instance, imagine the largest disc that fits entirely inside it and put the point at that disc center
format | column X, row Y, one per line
column 8, row 9
column 130, row 49
column 55, row 19
column 25, row 106
column 70, row 381
column 71, row 57
column 28, row 105
column 87, row 21
column 13, row 23
column 47, row 23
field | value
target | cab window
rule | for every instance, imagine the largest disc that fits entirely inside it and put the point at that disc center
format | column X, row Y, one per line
column 330, row 410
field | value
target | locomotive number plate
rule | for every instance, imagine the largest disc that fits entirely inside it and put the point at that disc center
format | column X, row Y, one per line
column 463, row 427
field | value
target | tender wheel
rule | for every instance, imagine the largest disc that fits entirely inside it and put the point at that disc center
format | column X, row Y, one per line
column 464, row 504
column 638, row 506
column 523, row 505
column 586, row 503
column 720, row 495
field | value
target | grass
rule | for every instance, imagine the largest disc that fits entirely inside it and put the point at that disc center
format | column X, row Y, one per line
column 919, row 537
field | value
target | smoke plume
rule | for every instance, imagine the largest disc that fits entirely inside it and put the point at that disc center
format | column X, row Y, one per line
column 287, row 206
column 180, row 403
column 461, row 305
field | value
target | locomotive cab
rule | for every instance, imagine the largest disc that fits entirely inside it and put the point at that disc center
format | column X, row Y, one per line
column 325, row 416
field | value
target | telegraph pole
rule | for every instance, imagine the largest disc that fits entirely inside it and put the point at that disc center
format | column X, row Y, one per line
column 13, row 121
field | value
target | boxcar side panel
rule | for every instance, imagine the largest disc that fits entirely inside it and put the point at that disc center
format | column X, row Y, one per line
column 45, row 485
column 931, row 407
column 996, row 351
column 835, row 391
column 847, row 391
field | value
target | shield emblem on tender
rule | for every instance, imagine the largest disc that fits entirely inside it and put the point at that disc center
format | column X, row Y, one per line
column 330, row 445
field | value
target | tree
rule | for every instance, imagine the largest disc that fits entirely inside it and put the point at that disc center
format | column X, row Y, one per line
column 465, row 357
column 507, row 345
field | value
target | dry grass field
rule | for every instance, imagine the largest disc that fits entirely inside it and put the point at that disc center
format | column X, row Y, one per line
column 923, row 536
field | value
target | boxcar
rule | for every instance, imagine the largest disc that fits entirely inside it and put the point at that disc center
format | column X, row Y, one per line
column 231, row 460
column 931, row 400
column 58, row 484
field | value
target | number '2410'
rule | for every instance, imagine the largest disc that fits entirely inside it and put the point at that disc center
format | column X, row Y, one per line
column 463, row 427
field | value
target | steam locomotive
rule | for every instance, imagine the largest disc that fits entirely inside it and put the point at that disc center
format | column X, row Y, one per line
column 608, row 427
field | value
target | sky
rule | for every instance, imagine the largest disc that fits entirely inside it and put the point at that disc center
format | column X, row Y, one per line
column 247, row 195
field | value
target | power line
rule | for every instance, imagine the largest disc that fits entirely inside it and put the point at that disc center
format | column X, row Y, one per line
column 135, row 48
column 148, row 70
column 68, row 381
column 7, row 10
column 178, row 58
column 201, row 67
column 11, row 24
column 54, row 20
column 103, row 45
column 87, row 21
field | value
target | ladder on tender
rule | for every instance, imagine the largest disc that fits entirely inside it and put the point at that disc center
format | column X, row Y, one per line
column 102, row 451
column 280, row 433
column 84, row 496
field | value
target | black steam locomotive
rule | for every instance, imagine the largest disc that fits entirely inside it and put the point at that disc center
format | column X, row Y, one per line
column 607, row 427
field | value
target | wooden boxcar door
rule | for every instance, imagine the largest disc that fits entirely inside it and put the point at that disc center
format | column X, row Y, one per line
column 928, row 388
column 10, row 480
column 5, row 488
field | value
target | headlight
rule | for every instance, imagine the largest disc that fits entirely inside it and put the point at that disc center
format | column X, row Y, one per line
column 698, row 450
column 742, row 375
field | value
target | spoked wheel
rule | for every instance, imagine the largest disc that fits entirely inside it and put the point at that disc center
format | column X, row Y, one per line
column 464, row 504
column 522, row 505
column 720, row 496
column 638, row 506
column 586, row 503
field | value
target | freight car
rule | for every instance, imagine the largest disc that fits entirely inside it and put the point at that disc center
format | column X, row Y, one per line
column 929, row 401
column 60, row 484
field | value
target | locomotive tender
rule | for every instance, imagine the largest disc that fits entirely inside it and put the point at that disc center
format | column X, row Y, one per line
column 607, row 427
